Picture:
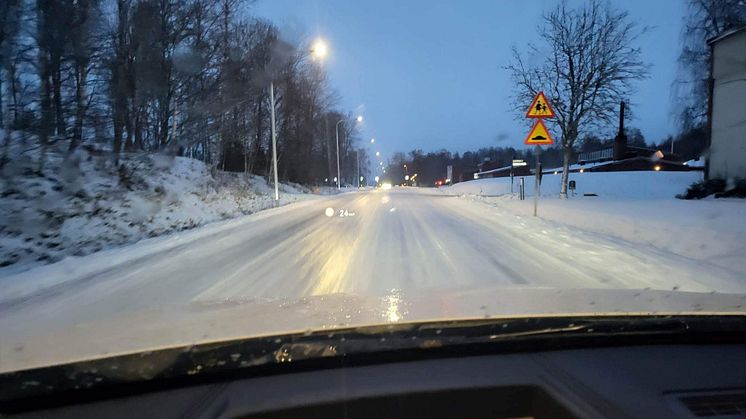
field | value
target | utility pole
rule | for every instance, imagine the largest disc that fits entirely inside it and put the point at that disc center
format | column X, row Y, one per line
column 274, row 138
column 336, row 130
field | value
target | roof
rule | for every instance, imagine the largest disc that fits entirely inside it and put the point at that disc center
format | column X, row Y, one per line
column 725, row 34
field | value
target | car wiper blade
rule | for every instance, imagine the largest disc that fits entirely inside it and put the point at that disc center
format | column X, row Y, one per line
column 358, row 345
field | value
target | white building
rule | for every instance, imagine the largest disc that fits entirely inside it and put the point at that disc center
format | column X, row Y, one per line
column 727, row 157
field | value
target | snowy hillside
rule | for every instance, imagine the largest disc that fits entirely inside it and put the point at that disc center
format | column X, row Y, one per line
column 83, row 203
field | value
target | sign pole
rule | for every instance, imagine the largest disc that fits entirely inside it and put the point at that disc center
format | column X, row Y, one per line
column 511, row 180
column 537, row 186
column 539, row 109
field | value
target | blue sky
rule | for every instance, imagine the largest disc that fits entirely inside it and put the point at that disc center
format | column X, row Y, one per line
column 428, row 74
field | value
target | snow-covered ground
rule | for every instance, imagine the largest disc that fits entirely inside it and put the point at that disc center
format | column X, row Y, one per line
column 626, row 185
column 83, row 203
column 637, row 207
column 406, row 254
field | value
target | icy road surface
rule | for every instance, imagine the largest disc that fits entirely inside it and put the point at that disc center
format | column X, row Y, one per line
column 384, row 244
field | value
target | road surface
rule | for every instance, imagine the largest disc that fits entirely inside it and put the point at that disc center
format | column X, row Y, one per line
column 387, row 244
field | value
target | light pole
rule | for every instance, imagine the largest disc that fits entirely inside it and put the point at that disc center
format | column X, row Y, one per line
column 336, row 131
column 274, row 137
column 357, row 157
column 319, row 51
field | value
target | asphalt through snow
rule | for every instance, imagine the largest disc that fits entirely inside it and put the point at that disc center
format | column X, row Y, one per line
column 375, row 242
column 404, row 239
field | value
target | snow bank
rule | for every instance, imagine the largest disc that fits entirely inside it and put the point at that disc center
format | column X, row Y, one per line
column 637, row 207
column 82, row 203
column 645, row 185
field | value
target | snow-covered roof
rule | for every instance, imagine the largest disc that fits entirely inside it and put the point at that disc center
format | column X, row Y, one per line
column 581, row 166
column 700, row 162
column 494, row 170
column 725, row 34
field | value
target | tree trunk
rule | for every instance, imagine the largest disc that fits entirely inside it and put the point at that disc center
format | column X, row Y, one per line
column 57, row 87
column 80, row 105
column 118, row 132
column 2, row 103
column 138, row 142
column 45, row 103
column 566, row 154
column 12, row 70
column 164, row 119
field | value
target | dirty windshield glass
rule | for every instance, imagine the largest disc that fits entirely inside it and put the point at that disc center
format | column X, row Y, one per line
column 178, row 172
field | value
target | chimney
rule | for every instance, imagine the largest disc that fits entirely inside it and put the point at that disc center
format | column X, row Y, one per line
column 620, row 141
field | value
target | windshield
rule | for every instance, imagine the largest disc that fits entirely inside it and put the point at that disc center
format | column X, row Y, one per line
column 181, row 172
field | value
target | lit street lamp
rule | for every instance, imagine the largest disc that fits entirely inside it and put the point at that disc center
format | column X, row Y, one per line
column 319, row 50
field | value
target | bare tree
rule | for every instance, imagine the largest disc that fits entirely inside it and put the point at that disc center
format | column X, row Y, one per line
column 586, row 66
column 187, row 77
column 84, row 41
column 704, row 20
column 120, row 79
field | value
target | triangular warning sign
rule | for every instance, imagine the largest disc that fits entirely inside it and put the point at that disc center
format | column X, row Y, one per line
column 539, row 135
column 540, row 107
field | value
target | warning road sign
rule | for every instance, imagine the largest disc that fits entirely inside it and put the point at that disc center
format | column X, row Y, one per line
column 540, row 108
column 539, row 135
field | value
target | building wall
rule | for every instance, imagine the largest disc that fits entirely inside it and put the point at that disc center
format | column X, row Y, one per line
column 728, row 137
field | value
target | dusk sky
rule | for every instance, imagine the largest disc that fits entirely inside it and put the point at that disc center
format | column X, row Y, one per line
column 429, row 74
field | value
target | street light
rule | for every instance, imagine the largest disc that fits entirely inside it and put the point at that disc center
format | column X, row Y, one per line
column 336, row 131
column 319, row 50
column 372, row 140
column 378, row 153
column 274, row 137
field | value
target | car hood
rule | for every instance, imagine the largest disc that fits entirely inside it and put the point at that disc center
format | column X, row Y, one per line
column 206, row 321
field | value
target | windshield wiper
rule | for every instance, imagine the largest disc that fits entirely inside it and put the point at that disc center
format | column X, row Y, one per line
column 189, row 365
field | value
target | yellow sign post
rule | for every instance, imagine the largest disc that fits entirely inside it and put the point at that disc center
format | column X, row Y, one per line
column 540, row 108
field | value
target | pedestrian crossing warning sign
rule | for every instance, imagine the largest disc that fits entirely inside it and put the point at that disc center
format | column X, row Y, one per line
column 540, row 107
column 539, row 135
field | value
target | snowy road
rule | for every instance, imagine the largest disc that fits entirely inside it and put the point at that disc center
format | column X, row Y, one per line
column 406, row 239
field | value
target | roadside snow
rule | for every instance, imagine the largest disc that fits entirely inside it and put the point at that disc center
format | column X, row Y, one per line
column 638, row 207
column 638, row 185
column 82, row 203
